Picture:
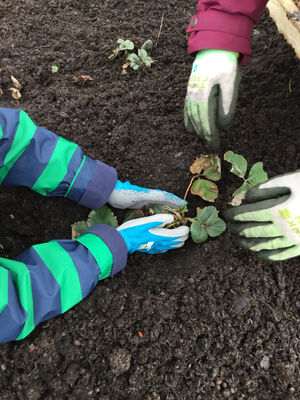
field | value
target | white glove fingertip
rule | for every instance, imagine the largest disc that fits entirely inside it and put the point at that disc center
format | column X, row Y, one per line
column 164, row 218
column 161, row 219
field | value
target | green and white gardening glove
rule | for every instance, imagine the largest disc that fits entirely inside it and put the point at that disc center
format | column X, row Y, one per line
column 212, row 94
column 270, row 223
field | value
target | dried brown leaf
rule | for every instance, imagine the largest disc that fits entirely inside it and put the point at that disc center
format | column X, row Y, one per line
column 202, row 163
column 238, row 199
column 82, row 79
column 15, row 93
column 16, row 82
column 74, row 234
column 124, row 67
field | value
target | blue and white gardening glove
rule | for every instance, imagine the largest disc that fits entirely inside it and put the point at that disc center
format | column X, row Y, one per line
column 212, row 94
column 147, row 234
column 270, row 223
column 126, row 195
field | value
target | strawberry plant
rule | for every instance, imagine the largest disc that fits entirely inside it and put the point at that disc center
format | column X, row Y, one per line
column 102, row 215
column 239, row 167
column 123, row 46
column 133, row 59
column 206, row 171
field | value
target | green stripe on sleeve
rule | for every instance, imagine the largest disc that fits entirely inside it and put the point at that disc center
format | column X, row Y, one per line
column 56, row 168
column 3, row 288
column 23, row 136
column 100, row 251
column 64, row 271
column 1, row 132
column 21, row 278
column 74, row 179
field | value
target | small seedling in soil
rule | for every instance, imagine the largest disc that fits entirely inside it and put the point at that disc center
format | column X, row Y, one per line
column 239, row 167
column 134, row 60
column 54, row 69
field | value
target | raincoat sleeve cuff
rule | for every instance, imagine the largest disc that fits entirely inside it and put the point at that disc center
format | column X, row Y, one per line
column 115, row 243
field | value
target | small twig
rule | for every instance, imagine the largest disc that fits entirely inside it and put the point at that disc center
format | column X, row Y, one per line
column 160, row 28
column 190, row 184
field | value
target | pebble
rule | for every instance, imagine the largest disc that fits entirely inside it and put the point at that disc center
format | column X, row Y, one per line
column 241, row 303
column 265, row 362
column 32, row 347
column 227, row 393
column 120, row 361
column 77, row 343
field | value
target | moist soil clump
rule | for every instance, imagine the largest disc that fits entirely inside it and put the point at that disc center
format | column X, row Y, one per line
column 202, row 322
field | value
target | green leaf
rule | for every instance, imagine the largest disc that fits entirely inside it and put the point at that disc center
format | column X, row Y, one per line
column 183, row 210
column 129, row 45
column 142, row 53
column 148, row 61
column 198, row 232
column 159, row 209
column 121, row 41
column 207, row 190
column 78, row 228
column 239, row 195
column 125, row 44
column 148, row 46
column 256, row 32
column 242, row 189
column 135, row 61
column 102, row 215
column 213, row 175
column 216, row 228
column 54, row 69
column 239, row 163
column 133, row 214
column 206, row 213
column 257, row 174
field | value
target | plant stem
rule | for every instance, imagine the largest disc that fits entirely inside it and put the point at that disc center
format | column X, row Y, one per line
column 190, row 219
column 190, row 184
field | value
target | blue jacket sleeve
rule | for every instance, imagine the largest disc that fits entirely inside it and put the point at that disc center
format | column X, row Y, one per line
column 49, row 278
column 52, row 166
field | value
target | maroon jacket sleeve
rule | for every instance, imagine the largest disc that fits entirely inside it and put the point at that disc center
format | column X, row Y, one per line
column 224, row 25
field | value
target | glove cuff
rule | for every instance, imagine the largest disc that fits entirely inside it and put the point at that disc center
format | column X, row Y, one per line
column 231, row 55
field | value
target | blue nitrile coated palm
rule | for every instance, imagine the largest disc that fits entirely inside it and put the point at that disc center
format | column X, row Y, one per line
column 126, row 195
column 147, row 234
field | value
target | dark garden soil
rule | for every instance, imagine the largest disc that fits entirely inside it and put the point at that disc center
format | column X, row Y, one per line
column 216, row 322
